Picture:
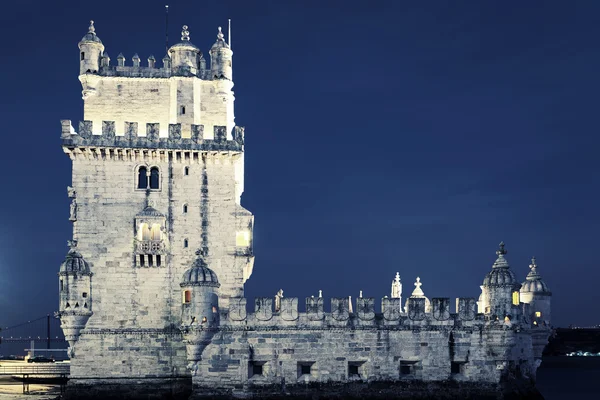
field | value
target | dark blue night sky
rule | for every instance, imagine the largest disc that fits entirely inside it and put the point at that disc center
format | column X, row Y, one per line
column 381, row 136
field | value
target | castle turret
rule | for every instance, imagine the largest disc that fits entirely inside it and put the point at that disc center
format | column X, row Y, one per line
column 200, row 308
column 75, row 295
column 500, row 290
column 220, row 58
column 185, row 56
column 534, row 292
column 91, row 49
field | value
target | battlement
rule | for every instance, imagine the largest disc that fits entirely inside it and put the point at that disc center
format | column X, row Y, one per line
column 364, row 316
column 149, row 137
column 152, row 72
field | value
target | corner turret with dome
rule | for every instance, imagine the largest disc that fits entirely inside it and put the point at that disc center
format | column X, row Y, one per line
column 500, row 290
column 185, row 56
column 535, row 292
column 200, row 308
column 75, row 283
column 91, row 49
column 221, row 58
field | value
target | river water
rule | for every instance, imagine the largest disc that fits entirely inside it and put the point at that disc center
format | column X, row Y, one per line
column 566, row 378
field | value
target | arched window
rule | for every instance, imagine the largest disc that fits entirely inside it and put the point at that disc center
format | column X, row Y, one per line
column 154, row 178
column 187, row 296
column 182, row 110
column 155, row 232
column 185, row 243
column 185, row 208
column 142, row 178
column 186, row 171
column 145, row 232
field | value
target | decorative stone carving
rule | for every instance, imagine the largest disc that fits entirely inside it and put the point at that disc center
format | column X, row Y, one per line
column 340, row 310
column 441, row 308
column 416, row 308
column 263, row 308
column 289, row 309
column 365, row 307
column 391, row 308
column 220, row 133
column 237, row 309
column 314, row 308
column 73, row 211
column 278, row 298
column 71, row 193
column 467, row 308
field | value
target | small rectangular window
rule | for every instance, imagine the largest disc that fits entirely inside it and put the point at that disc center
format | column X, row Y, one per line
column 150, row 260
column 457, row 367
column 82, row 56
column 354, row 369
column 62, row 285
column 158, row 260
column 538, row 314
column 407, row 368
column 256, row 368
column 187, row 297
column 182, row 110
column 84, row 295
column 142, row 260
column 304, row 368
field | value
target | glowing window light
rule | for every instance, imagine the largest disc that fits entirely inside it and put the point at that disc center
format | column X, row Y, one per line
column 515, row 298
column 242, row 238
column 538, row 314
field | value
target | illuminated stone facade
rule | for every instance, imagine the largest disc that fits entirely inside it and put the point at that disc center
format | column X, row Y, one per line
column 162, row 248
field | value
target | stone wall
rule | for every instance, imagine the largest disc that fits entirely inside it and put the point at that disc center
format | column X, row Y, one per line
column 125, row 295
column 164, row 101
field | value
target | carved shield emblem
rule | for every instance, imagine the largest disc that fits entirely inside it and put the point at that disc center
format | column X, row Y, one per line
column 289, row 308
column 340, row 308
column 441, row 308
column 467, row 308
column 416, row 308
column 391, row 309
column 263, row 308
column 237, row 309
column 314, row 308
column 365, row 308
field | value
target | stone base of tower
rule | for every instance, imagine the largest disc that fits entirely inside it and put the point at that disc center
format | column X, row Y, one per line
column 134, row 388
column 379, row 390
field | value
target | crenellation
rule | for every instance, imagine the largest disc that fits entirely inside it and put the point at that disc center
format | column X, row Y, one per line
column 109, row 137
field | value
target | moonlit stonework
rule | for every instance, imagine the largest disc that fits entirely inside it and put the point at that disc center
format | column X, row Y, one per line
column 152, row 288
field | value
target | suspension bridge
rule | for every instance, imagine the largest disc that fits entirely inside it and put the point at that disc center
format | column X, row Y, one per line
column 42, row 335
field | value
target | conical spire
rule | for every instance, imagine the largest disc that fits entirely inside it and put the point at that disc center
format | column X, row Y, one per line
column 418, row 292
column 91, row 36
column 533, row 273
column 501, row 261
column 220, row 43
column 185, row 34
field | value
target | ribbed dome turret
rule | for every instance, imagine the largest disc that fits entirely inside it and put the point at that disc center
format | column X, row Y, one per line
column 534, row 282
column 501, row 274
column 199, row 274
column 91, row 35
column 74, row 262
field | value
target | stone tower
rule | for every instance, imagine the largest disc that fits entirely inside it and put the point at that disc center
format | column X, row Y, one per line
column 157, row 174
